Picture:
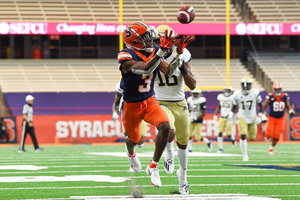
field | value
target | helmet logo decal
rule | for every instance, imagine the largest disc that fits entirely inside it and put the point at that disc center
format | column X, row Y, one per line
column 128, row 32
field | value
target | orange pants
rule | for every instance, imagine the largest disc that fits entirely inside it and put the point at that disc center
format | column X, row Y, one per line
column 147, row 110
column 275, row 127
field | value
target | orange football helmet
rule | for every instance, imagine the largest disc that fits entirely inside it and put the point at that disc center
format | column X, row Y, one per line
column 277, row 86
column 136, row 35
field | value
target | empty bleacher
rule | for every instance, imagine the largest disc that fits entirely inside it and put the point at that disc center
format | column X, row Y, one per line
column 108, row 10
column 99, row 75
column 275, row 10
column 280, row 67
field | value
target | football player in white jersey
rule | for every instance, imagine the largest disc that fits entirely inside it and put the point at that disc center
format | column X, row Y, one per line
column 117, row 107
column 247, row 99
column 169, row 92
column 225, row 105
column 197, row 108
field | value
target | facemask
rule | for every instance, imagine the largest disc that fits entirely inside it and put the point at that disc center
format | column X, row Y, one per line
column 149, row 50
column 245, row 92
column 226, row 94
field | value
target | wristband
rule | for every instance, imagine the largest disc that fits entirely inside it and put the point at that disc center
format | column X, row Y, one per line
column 183, row 69
column 160, row 53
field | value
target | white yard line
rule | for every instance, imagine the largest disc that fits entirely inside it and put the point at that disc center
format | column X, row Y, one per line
column 123, row 186
column 168, row 197
column 113, row 171
column 180, row 197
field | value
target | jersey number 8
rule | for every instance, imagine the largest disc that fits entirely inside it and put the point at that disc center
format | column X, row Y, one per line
column 278, row 106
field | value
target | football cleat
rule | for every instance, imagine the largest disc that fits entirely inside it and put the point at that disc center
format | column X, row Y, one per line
column 220, row 151
column 169, row 162
column 21, row 151
column 38, row 150
column 210, row 146
column 245, row 158
column 271, row 152
column 183, row 184
column 135, row 163
column 154, row 173
column 130, row 169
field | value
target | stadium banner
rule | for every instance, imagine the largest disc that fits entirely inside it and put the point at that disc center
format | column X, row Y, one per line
column 295, row 127
column 66, row 28
column 97, row 129
column 11, row 130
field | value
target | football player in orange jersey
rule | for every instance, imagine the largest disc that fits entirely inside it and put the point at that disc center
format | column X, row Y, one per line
column 139, row 65
column 278, row 102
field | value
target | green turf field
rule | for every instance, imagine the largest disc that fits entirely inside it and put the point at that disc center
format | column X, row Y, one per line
column 71, row 172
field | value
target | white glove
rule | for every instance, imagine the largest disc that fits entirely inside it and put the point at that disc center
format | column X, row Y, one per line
column 258, row 120
column 263, row 117
column 291, row 112
column 192, row 119
column 115, row 116
column 215, row 118
column 230, row 116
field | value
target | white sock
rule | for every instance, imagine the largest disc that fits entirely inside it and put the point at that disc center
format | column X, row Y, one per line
column 271, row 147
column 232, row 137
column 182, row 158
column 190, row 144
column 205, row 140
column 220, row 142
column 243, row 144
column 170, row 146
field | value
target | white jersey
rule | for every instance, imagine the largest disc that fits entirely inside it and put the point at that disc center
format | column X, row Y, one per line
column 226, row 104
column 196, row 105
column 120, row 91
column 247, row 104
column 171, row 88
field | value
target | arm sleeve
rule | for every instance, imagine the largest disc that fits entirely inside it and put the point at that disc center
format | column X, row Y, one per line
column 234, row 100
column 124, row 56
column 25, row 109
column 203, row 106
column 258, row 98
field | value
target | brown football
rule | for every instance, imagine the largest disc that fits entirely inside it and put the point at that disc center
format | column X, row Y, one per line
column 186, row 14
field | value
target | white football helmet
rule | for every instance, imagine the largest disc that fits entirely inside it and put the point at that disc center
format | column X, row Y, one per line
column 160, row 30
column 246, row 84
column 196, row 93
column 227, row 91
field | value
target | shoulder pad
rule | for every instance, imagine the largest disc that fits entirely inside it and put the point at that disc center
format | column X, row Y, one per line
column 202, row 99
column 220, row 96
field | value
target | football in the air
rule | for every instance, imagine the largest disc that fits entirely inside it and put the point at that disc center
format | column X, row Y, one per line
column 186, row 14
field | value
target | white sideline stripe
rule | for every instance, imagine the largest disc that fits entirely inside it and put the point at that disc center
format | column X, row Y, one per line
column 150, row 154
column 113, row 171
column 167, row 197
column 126, row 165
column 126, row 186
column 222, row 176
column 253, row 159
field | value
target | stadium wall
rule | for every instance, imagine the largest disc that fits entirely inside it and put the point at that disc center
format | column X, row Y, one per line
column 87, row 118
